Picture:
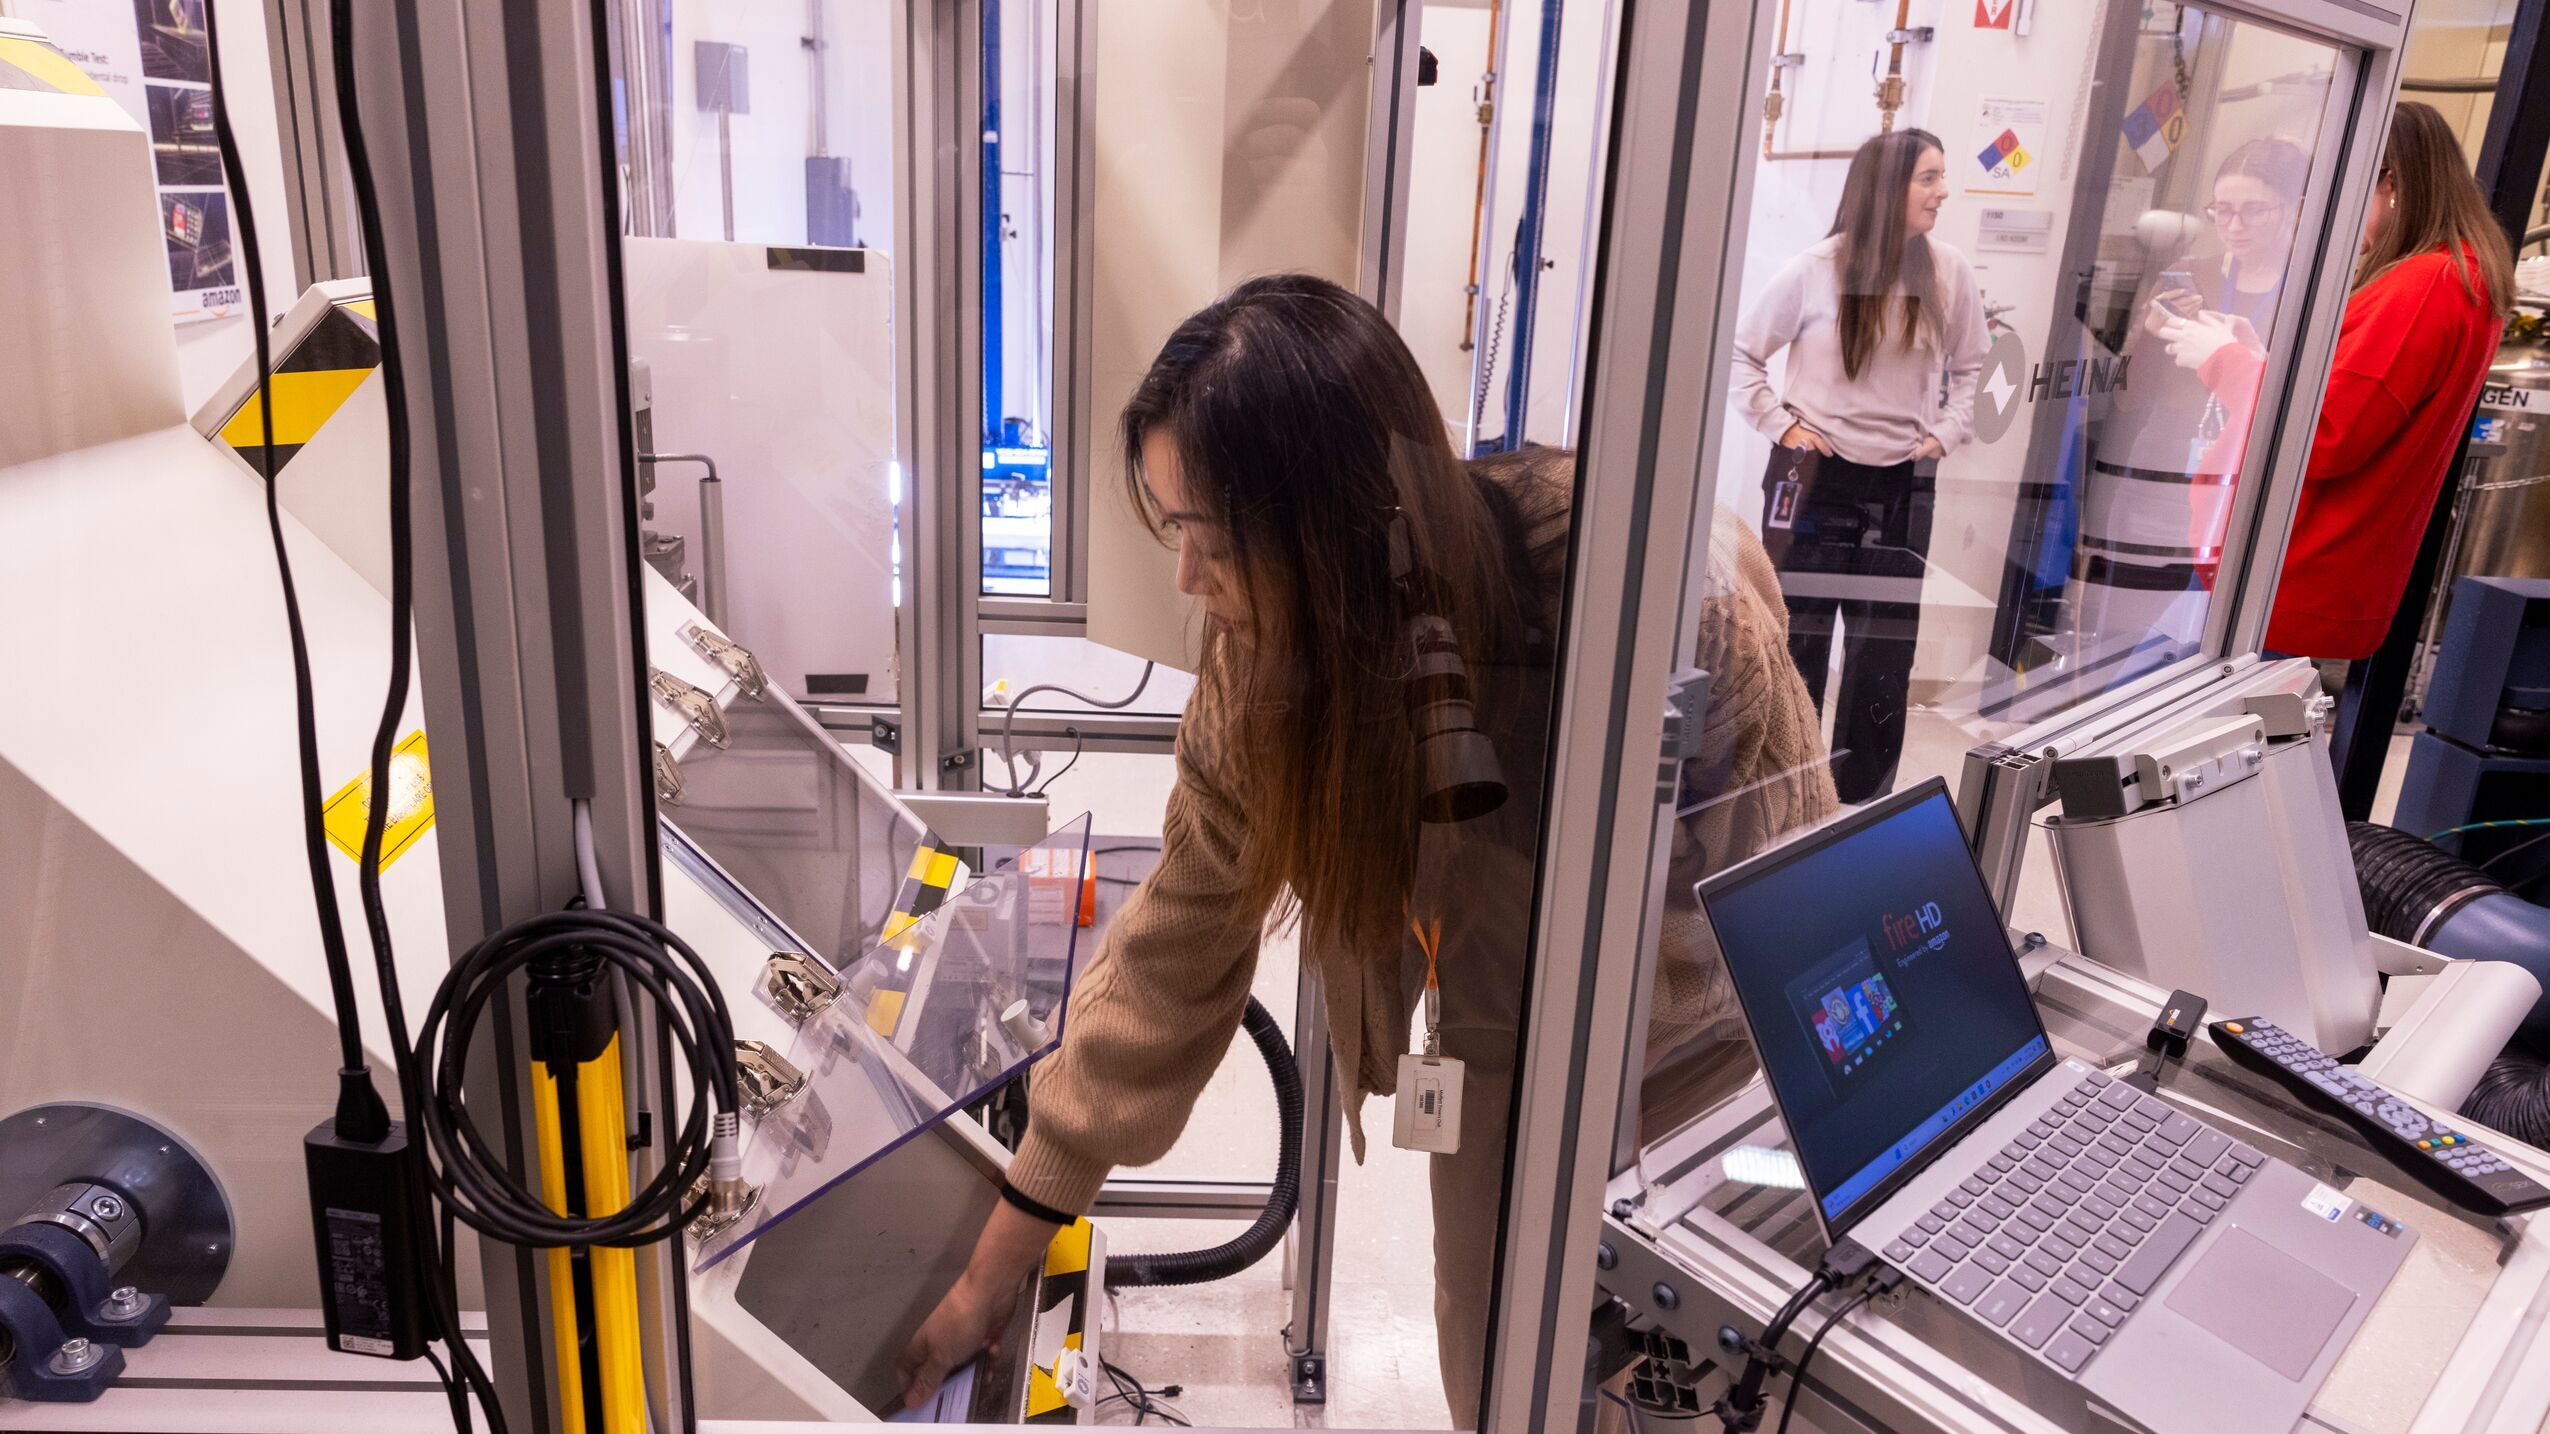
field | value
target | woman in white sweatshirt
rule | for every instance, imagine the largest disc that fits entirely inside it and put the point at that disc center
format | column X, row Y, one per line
column 1885, row 336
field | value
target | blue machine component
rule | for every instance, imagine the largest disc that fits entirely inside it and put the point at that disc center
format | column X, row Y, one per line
column 1527, row 232
column 1017, row 466
column 2485, row 753
column 114, row 1218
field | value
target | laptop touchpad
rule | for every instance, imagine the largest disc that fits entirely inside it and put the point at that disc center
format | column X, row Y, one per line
column 2263, row 1302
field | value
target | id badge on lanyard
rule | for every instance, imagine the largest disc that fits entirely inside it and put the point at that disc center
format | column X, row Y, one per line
column 1429, row 1102
column 1781, row 511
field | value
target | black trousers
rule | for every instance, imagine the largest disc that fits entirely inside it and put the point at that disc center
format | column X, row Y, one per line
column 1851, row 543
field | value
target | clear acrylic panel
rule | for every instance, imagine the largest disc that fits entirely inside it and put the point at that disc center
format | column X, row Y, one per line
column 782, row 825
column 2019, row 498
column 953, row 1003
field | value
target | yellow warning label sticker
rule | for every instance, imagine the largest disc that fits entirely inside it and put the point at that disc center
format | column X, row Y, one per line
column 933, row 868
column 302, row 402
column 366, row 307
column 411, row 806
column 1068, row 1254
column 47, row 65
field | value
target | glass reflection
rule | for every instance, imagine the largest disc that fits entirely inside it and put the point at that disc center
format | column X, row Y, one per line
column 1998, row 363
column 1883, row 327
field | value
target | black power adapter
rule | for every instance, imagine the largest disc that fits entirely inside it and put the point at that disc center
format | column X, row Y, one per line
column 365, row 1210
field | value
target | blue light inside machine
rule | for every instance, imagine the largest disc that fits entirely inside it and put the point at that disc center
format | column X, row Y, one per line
column 1018, row 507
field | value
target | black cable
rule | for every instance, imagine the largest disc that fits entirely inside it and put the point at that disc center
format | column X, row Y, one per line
column 360, row 1115
column 1197, row 1267
column 2525, row 845
column 458, row 1397
column 1009, row 724
column 471, row 1175
column 1048, row 784
column 1141, row 1398
column 1797, row 1377
column 443, row 1302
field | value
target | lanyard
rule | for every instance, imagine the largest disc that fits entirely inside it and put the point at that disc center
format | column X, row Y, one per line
column 1429, row 936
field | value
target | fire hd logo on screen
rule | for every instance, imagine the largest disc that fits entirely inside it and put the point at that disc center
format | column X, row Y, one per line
column 1922, row 928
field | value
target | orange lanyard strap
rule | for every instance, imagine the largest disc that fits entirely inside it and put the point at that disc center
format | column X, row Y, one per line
column 1429, row 936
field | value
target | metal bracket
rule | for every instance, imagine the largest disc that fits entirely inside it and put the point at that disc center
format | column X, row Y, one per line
column 738, row 661
column 693, row 704
column 956, row 761
column 885, row 735
column 800, row 987
column 1310, row 1379
column 1915, row 35
column 1686, row 715
column 668, row 776
column 1788, row 61
column 765, row 1079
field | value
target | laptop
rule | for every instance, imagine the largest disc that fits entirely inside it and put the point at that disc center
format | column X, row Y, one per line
column 2170, row 1269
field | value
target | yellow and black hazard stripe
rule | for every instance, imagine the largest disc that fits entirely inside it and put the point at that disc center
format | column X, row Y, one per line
column 311, row 382
column 1066, row 1281
column 925, row 889
column 30, row 64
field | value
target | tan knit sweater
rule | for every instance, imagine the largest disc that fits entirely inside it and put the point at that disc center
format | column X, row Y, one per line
column 1160, row 1001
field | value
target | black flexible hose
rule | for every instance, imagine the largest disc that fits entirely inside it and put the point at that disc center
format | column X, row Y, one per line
column 2514, row 1096
column 2411, row 886
column 1197, row 1267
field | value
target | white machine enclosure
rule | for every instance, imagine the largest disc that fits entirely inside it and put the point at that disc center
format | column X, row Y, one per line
column 777, row 365
column 86, row 356
column 2242, row 892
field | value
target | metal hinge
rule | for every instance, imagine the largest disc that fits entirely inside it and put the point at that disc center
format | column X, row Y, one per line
column 1686, row 714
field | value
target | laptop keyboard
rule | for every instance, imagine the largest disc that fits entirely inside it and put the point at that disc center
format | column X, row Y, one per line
column 2058, row 1237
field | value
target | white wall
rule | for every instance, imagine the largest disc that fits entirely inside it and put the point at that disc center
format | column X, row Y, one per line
column 1230, row 144
column 771, row 142
column 1444, row 198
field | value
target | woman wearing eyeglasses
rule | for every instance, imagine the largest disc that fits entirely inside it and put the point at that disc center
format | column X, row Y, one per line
column 2165, row 452
column 2434, row 283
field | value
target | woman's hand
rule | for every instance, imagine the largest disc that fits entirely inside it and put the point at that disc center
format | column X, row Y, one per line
column 1802, row 437
column 2247, row 333
column 1929, row 447
column 2168, row 306
column 971, row 1315
column 2194, row 339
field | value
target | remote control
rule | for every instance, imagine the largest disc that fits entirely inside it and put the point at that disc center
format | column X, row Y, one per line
column 2455, row 1166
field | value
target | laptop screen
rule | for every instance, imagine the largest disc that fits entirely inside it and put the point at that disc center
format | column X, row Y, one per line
column 1884, row 998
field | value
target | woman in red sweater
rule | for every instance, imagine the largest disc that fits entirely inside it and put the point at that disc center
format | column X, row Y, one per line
column 2432, row 290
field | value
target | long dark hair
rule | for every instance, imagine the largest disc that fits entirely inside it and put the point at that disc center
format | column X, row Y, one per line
column 1303, row 431
column 1880, row 260
column 2439, row 207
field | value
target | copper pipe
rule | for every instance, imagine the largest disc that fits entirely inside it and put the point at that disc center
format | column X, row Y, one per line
column 1774, row 104
column 1890, row 90
column 1478, row 196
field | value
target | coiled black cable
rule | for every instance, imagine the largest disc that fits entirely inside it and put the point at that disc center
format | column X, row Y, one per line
column 1197, row 1267
column 471, row 1175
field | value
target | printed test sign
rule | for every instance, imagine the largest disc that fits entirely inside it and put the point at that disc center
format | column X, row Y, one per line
column 1994, row 14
